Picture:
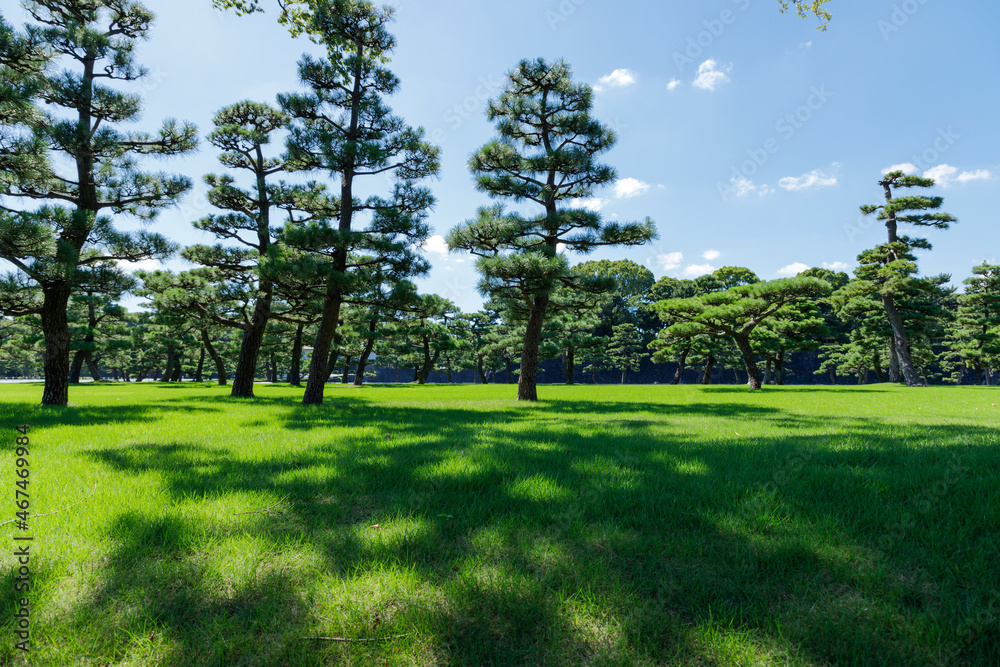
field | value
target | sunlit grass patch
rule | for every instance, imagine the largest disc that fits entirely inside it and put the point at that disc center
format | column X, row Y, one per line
column 452, row 525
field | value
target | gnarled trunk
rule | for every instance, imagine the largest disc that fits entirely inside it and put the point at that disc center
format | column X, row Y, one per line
column 569, row 361
column 295, row 368
column 55, row 329
column 95, row 372
column 168, row 372
column 527, row 389
column 902, row 345
column 199, row 372
column 681, row 363
column 220, row 366
column 319, row 370
column 894, row 375
column 359, row 374
column 76, row 367
column 709, row 367
column 750, row 360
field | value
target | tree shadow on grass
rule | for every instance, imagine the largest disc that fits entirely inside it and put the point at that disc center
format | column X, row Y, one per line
column 535, row 546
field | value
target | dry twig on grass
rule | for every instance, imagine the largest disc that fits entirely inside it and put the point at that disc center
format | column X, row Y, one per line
column 348, row 639
column 35, row 516
column 265, row 510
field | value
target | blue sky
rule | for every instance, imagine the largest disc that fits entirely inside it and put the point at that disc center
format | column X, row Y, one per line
column 750, row 137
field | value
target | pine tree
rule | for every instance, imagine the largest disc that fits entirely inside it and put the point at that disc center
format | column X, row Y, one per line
column 99, row 288
column 342, row 126
column 545, row 153
column 96, row 39
column 242, row 132
column 975, row 335
column 626, row 349
column 738, row 311
column 889, row 269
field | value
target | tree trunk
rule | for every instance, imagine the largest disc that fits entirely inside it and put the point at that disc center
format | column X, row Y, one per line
column 767, row 372
column 347, row 370
column 199, row 372
column 95, row 372
column 779, row 368
column 168, row 372
column 977, row 377
column 624, row 371
column 709, row 367
column 901, row 344
column 220, row 366
column 479, row 369
column 359, row 374
column 750, row 360
column 55, row 330
column 425, row 371
column 527, row 389
column 76, row 367
column 894, row 375
column 833, row 376
column 319, row 370
column 178, row 375
column 681, row 363
column 274, row 368
column 253, row 338
column 332, row 365
column 509, row 377
column 570, row 370
column 295, row 368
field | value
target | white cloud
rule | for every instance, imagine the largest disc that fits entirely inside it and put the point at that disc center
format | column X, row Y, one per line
column 814, row 178
column 710, row 75
column 673, row 83
column 806, row 45
column 594, row 204
column 670, row 261
column 836, row 266
column 978, row 175
column 629, row 187
column 945, row 174
column 792, row 269
column 905, row 167
column 143, row 265
column 942, row 174
column 620, row 78
column 436, row 245
column 711, row 254
column 745, row 186
column 696, row 270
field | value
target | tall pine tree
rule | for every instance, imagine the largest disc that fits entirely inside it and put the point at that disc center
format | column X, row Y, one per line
column 342, row 126
column 545, row 152
column 74, row 160
column 888, row 269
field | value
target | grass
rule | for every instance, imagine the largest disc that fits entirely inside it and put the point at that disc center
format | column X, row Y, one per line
column 451, row 525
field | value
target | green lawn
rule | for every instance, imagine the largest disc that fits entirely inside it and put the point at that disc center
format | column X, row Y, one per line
column 451, row 525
